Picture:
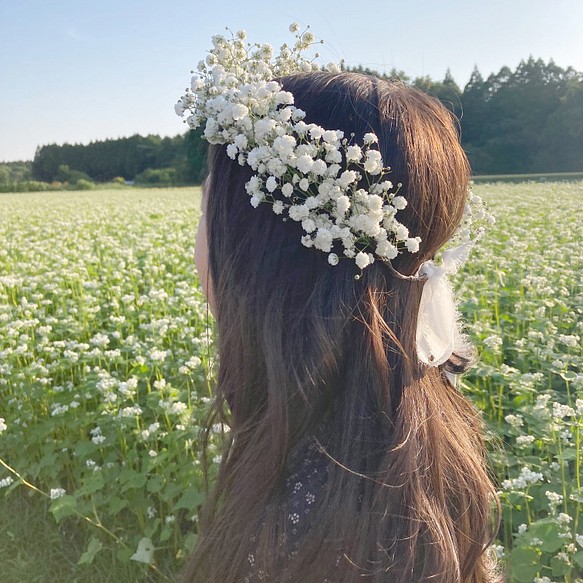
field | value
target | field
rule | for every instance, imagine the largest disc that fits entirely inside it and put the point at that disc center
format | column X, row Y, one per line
column 106, row 365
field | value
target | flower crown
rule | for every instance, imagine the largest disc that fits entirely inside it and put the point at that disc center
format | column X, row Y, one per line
column 307, row 173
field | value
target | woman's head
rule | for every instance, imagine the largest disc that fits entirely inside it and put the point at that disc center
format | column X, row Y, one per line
column 301, row 341
column 256, row 258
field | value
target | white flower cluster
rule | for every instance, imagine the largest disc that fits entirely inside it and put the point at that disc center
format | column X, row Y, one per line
column 312, row 175
column 526, row 478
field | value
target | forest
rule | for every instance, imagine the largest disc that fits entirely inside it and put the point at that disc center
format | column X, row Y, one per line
column 529, row 120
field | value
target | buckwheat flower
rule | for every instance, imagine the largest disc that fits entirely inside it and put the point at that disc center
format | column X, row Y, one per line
column 57, row 493
column 370, row 138
column 571, row 340
column 152, row 453
column 151, row 512
column 498, row 550
column 5, row 482
column 564, row 518
column 157, row 355
column 294, row 27
column 522, row 529
column 98, row 439
column 514, row 420
column 553, row 498
column 560, row 411
column 170, row 519
column 3, row 426
column 524, row 439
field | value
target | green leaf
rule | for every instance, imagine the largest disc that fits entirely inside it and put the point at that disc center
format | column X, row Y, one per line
column 132, row 479
column 145, row 552
column 190, row 542
column 578, row 558
column 548, row 531
column 190, row 499
column 155, row 484
column 92, row 549
column 559, row 567
column 569, row 453
column 92, row 484
column 166, row 533
column 63, row 507
column 524, row 565
column 116, row 504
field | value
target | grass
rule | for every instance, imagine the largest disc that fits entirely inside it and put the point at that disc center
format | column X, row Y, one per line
column 34, row 549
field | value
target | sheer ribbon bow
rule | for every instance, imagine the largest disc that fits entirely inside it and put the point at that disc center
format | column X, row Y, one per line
column 438, row 325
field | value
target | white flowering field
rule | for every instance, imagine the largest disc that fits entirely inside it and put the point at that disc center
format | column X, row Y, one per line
column 106, row 352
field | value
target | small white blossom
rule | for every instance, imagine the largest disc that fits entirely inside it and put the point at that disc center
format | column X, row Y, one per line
column 57, row 493
column 5, row 482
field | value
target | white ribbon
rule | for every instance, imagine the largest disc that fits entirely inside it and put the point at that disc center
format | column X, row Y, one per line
column 438, row 326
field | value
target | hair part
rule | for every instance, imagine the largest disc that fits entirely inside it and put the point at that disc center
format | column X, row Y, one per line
column 304, row 345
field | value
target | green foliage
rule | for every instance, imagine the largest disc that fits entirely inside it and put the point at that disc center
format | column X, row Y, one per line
column 105, row 403
column 158, row 177
column 523, row 302
column 11, row 172
column 123, row 159
column 107, row 356
column 524, row 121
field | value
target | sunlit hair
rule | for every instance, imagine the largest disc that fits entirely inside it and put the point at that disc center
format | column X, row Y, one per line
column 408, row 498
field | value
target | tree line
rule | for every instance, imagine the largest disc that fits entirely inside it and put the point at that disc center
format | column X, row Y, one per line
column 529, row 120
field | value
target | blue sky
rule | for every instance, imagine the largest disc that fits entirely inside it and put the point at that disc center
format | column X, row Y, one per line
column 79, row 70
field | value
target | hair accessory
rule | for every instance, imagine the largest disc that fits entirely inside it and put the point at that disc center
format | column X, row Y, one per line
column 439, row 333
column 308, row 173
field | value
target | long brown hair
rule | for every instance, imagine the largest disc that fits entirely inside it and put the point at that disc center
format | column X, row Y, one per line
column 408, row 497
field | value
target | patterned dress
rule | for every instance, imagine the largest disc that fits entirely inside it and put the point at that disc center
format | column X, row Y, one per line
column 303, row 490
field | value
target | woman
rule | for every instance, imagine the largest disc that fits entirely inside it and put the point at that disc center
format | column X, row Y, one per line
column 348, row 457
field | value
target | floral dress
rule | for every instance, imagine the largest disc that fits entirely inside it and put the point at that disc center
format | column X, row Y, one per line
column 303, row 489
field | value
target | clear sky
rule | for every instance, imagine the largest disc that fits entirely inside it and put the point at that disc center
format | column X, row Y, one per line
column 80, row 70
